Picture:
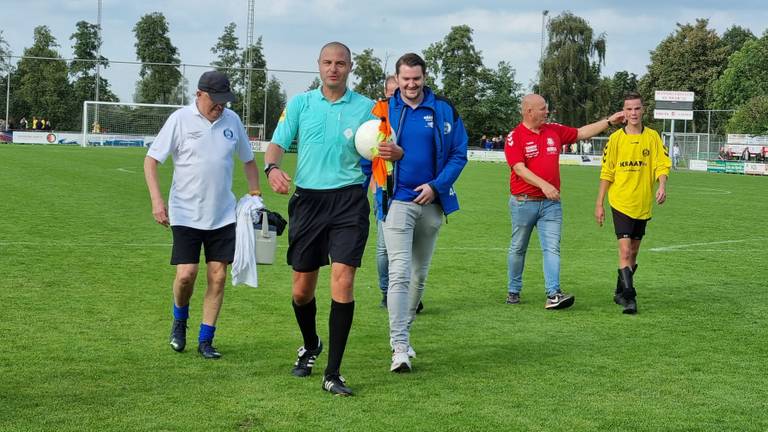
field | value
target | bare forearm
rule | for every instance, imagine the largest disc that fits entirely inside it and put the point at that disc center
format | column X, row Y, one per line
column 274, row 154
column 150, row 175
column 528, row 176
column 602, row 191
column 252, row 175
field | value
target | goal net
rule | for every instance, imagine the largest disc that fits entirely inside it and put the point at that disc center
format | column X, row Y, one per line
column 123, row 123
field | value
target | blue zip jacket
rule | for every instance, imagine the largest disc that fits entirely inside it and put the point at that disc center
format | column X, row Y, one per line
column 450, row 139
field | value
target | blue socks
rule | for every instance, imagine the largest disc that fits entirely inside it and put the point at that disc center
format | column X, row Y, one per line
column 206, row 333
column 180, row 313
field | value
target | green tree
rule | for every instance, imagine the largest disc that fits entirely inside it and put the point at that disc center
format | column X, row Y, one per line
column 570, row 69
column 457, row 66
column 500, row 105
column 276, row 100
column 229, row 58
column 745, row 77
column 258, row 65
column 369, row 73
column 43, row 89
column 608, row 96
column 751, row 117
column 83, row 73
column 157, row 83
column 690, row 59
column 5, row 52
column 315, row 84
column 735, row 37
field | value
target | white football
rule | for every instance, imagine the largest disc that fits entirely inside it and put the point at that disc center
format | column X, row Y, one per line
column 366, row 139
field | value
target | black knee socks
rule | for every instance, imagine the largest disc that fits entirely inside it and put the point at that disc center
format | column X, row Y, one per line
column 339, row 324
column 305, row 317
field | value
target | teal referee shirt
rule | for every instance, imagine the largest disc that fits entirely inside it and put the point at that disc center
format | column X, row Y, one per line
column 326, row 138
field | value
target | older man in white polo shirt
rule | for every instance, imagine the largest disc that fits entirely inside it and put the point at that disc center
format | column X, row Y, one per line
column 201, row 139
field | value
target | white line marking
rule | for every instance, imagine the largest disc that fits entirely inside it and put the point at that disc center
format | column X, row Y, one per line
column 708, row 191
column 687, row 246
column 691, row 247
column 126, row 170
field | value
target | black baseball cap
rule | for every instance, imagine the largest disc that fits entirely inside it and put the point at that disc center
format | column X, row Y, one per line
column 216, row 84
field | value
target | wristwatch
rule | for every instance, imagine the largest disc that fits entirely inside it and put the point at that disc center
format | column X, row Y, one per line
column 270, row 167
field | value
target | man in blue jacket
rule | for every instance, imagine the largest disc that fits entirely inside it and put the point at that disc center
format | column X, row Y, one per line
column 430, row 151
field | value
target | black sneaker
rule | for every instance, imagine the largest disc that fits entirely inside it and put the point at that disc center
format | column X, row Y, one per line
column 420, row 307
column 383, row 303
column 559, row 301
column 513, row 298
column 305, row 360
column 630, row 306
column 335, row 384
column 178, row 339
column 207, row 351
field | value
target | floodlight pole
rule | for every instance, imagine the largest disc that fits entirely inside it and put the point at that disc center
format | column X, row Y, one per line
column 8, row 91
column 541, row 52
column 98, row 61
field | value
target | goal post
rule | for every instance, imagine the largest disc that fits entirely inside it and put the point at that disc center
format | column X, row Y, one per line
column 122, row 123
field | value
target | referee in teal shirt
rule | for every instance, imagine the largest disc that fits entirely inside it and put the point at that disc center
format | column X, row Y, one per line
column 328, row 211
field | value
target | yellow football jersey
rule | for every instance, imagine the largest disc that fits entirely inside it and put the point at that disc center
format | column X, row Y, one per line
column 633, row 163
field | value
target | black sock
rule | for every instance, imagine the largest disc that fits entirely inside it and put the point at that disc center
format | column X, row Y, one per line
column 339, row 324
column 305, row 317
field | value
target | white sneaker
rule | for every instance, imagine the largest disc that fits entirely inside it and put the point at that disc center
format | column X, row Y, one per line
column 411, row 351
column 401, row 362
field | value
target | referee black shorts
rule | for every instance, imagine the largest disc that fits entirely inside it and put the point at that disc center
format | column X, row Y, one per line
column 327, row 223
column 627, row 227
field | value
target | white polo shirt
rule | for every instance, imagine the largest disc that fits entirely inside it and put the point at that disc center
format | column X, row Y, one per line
column 201, row 192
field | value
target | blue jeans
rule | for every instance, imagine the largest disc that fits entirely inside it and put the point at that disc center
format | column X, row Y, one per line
column 547, row 217
column 382, row 260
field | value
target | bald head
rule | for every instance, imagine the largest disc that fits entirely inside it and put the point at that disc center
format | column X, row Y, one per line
column 534, row 110
column 336, row 45
column 390, row 85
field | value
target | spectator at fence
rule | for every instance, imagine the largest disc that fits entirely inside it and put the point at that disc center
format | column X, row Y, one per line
column 47, row 125
column 723, row 155
column 23, row 124
column 96, row 128
column 745, row 153
column 675, row 156
column 34, row 122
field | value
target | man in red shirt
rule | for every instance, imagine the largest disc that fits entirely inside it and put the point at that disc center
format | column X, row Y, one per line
column 533, row 153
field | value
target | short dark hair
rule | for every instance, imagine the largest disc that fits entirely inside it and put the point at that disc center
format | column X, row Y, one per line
column 412, row 60
column 632, row 96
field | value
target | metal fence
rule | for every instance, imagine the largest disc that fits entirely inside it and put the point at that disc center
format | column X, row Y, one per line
column 124, row 75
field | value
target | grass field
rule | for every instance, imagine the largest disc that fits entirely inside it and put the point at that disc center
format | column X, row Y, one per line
column 86, row 300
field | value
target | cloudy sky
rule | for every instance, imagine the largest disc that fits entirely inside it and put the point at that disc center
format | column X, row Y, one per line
column 294, row 30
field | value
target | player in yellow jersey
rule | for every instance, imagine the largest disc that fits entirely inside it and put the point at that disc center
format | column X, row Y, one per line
column 634, row 159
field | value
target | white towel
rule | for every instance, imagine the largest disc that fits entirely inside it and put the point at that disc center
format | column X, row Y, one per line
column 244, row 265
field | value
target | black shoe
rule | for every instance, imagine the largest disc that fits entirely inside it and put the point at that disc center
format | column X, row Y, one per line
column 335, row 384
column 559, row 301
column 383, row 303
column 207, row 350
column 513, row 298
column 618, row 298
column 630, row 307
column 178, row 339
column 419, row 307
column 305, row 360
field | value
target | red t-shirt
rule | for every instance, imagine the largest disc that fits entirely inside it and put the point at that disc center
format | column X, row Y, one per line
column 540, row 152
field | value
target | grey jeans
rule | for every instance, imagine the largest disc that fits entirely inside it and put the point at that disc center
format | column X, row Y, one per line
column 410, row 232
